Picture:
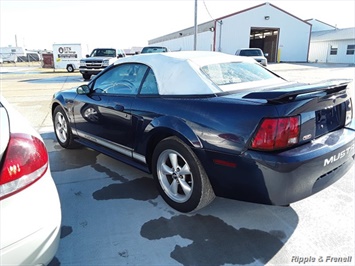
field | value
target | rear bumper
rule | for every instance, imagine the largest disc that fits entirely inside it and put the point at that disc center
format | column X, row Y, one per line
column 30, row 224
column 36, row 249
column 285, row 177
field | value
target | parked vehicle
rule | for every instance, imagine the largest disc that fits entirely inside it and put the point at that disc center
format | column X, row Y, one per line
column 207, row 123
column 98, row 60
column 18, row 54
column 154, row 49
column 30, row 213
column 10, row 54
column 67, row 56
column 255, row 53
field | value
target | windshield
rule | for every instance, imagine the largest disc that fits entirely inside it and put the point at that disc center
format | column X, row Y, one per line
column 154, row 50
column 251, row 52
column 236, row 73
column 103, row 53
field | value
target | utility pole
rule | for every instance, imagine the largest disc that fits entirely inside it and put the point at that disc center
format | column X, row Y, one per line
column 195, row 35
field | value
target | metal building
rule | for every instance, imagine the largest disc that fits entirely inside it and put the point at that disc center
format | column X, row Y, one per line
column 283, row 36
column 331, row 45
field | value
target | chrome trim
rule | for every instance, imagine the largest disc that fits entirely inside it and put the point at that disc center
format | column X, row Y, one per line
column 139, row 157
column 113, row 146
column 106, row 143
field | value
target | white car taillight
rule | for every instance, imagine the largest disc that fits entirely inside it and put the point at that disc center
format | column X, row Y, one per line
column 24, row 162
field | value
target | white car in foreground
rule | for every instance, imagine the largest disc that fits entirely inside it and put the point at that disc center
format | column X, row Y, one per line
column 30, row 212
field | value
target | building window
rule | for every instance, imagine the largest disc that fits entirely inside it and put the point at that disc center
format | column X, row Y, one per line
column 350, row 49
column 333, row 50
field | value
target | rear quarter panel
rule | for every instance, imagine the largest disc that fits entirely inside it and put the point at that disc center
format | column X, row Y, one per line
column 217, row 123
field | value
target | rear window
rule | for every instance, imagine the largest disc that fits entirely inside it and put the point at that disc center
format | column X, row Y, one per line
column 235, row 73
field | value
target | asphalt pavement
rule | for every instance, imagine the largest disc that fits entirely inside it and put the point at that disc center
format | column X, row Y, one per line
column 113, row 214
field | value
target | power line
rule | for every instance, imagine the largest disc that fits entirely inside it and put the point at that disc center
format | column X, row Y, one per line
column 208, row 12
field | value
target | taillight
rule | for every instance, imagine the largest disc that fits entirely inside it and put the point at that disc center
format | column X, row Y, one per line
column 24, row 162
column 277, row 133
column 349, row 113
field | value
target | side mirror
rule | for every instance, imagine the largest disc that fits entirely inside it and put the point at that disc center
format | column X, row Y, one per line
column 87, row 56
column 120, row 56
column 266, row 54
column 83, row 89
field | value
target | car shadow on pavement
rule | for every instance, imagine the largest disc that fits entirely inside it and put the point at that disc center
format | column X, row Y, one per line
column 215, row 242
column 225, row 232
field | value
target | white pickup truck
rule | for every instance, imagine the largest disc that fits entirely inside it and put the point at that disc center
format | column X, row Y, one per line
column 98, row 60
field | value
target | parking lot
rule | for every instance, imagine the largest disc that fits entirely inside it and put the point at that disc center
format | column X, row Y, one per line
column 113, row 215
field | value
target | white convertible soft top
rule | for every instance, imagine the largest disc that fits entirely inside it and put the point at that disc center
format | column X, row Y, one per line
column 179, row 72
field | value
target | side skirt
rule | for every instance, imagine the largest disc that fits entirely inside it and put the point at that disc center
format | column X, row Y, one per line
column 116, row 155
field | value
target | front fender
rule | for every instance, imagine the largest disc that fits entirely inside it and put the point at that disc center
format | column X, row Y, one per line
column 66, row 101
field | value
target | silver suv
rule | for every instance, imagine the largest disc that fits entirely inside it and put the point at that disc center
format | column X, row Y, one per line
column 255, row 53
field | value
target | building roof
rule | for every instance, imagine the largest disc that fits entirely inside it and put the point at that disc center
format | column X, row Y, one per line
column 318, row 25
column 209, row 25
column 333, row 35
column 264, row 4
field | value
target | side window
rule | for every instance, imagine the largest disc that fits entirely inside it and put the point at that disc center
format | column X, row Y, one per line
column 333, row 50
column 350, row 49
column 123, row 79
column 149, row 85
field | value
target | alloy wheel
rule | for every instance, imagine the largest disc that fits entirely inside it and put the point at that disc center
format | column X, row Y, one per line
column 175, row 176
column 61, row 127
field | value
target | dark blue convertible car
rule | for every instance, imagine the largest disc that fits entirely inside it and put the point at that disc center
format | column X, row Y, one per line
column 207, row 123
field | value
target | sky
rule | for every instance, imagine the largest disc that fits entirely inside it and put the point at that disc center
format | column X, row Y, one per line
column 132, row 23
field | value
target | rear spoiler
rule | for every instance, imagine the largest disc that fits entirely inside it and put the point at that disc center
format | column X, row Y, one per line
column 290, row 94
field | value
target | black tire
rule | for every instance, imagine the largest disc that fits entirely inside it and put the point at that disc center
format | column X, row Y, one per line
column 70, row 68
column 86, row 76
column 62, row 129
column 180, row 177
